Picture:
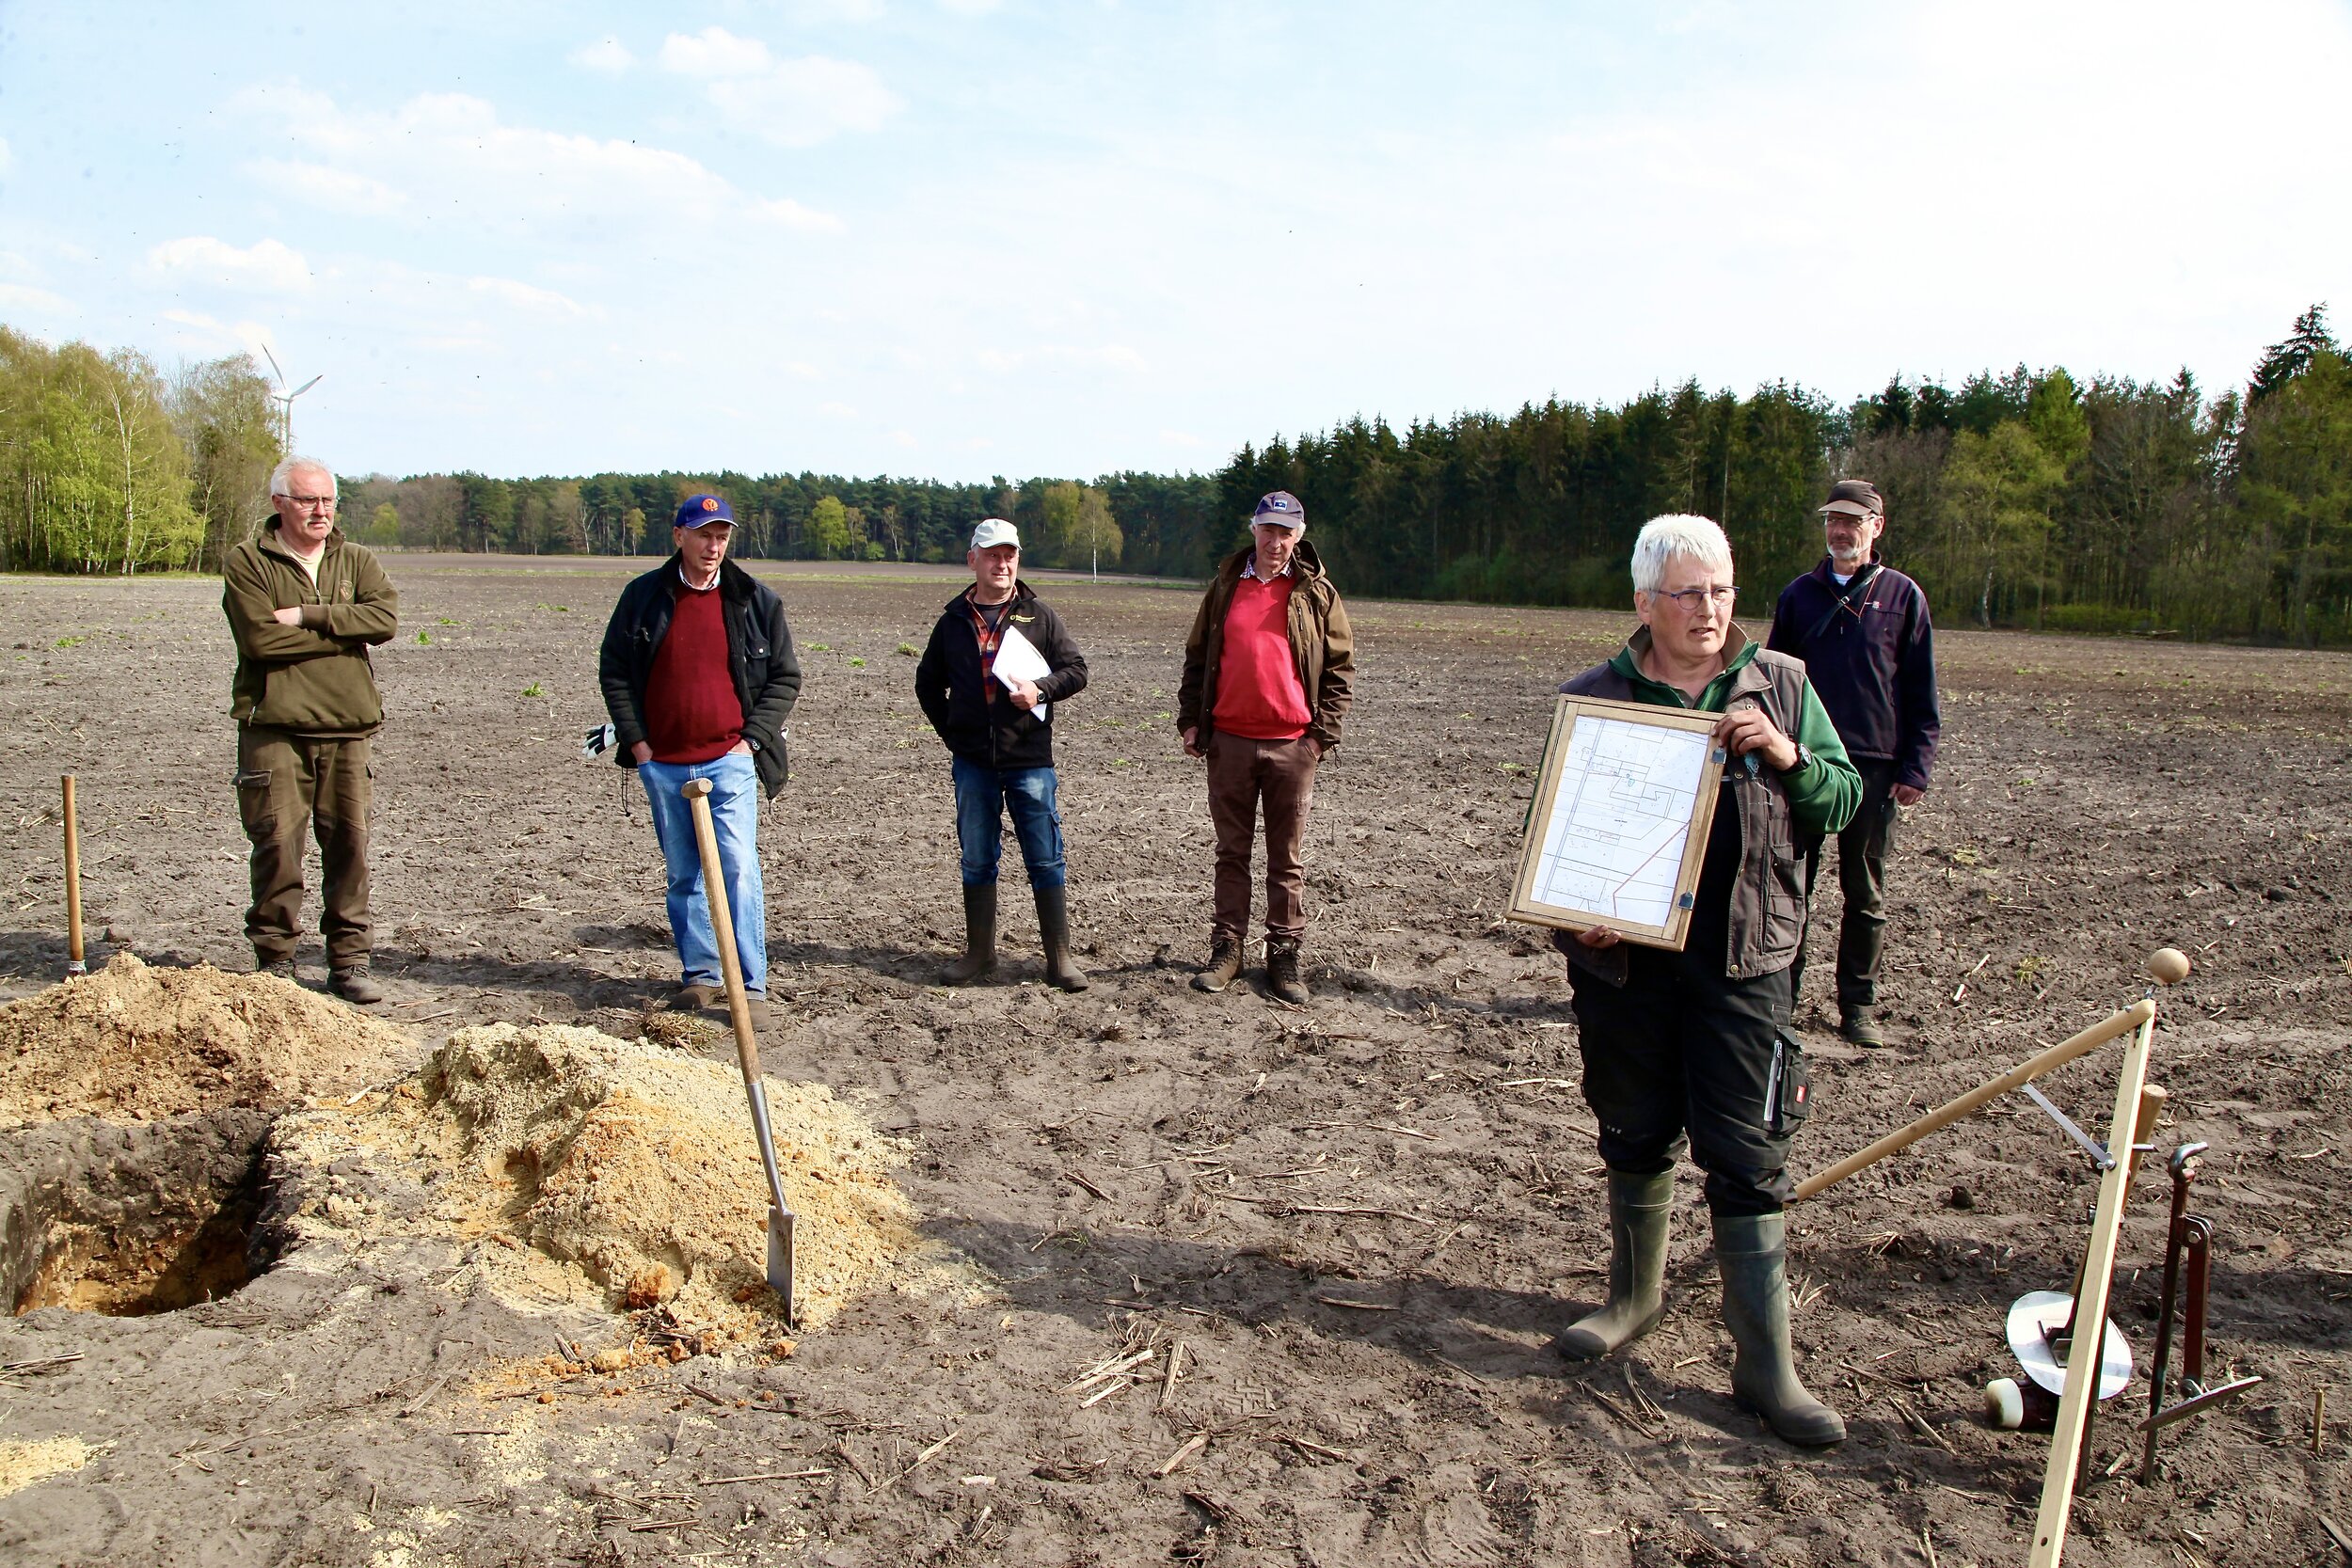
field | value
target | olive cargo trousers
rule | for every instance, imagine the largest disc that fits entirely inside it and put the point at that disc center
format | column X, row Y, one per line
column 286, row 783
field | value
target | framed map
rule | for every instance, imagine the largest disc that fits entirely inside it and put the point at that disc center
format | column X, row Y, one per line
column 1620, row 820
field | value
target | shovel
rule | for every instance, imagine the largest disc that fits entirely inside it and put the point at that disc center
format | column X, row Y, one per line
column 697, row 793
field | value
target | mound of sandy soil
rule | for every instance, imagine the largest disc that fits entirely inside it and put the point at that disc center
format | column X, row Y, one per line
column 135, row 1043
column 23, row 1463
column 603, row 1171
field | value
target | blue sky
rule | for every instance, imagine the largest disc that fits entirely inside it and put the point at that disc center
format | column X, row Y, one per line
column 958, row 238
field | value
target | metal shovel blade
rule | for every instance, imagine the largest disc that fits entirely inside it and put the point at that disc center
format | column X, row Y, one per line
column 780, row 1261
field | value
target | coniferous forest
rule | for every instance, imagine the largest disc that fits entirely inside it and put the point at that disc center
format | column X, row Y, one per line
column 2019, row 499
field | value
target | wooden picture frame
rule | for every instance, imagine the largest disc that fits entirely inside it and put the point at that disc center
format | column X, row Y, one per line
column 1602, row 860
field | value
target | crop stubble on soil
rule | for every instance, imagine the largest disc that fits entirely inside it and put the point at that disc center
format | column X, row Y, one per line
column 1363, row 1220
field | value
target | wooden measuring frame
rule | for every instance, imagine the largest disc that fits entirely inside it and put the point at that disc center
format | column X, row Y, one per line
column 1670, row 934
column 2137, row 1106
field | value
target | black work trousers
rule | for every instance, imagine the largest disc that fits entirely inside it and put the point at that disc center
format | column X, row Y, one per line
column 1681, row 1056
column 1863, row 844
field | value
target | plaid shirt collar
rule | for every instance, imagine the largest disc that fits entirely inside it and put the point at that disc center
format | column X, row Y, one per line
column 989, row 634
column 1249, row 568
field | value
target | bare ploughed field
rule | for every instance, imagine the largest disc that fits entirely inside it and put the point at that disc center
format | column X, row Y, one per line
column 1363, row 1219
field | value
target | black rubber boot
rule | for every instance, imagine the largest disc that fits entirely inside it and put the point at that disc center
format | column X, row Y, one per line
column 979, row 937
column 1053, row 926
column 1640, row 1209
column 1281, row 971
column 1752, row 1250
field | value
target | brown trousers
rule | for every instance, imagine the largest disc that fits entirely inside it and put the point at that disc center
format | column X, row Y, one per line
column 1245, row 775
column 287, row 782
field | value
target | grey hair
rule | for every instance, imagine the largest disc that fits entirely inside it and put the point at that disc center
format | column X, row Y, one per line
column 282, row 474
column 1677, row 533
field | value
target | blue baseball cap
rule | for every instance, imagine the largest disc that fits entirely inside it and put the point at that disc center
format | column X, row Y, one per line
column 1280, row 507
column 697, row 510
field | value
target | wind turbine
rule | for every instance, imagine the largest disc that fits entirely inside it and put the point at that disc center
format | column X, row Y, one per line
column 285, row 398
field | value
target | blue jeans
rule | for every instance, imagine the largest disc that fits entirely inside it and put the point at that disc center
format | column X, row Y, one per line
column 983, row 793
column 735, row 815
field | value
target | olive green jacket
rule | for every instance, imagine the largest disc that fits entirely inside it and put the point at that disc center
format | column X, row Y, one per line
column 312, row 679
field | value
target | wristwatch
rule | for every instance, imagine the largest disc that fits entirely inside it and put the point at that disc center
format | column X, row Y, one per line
column 1804, row 760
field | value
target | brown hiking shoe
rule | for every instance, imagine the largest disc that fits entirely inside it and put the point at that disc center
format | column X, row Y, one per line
column 693, row 998
column 1281, row 974
column 355, row 985
column 1860, row 1028
column 1224, row 963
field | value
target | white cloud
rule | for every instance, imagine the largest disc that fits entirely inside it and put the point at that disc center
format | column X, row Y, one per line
column 24, row 296
column 796, row 103
column 338, row 190
column 970, row 7
column 266, row 267
column 524, row 297
column 515, row 179
column 715, row 52
column 607, row 56
column 1107, row 356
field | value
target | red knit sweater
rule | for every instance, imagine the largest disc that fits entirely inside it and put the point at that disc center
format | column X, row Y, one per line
column 692, row 711
column 1258, row 693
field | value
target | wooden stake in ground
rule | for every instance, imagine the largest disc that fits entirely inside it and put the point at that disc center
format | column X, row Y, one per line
column 73, row 885
column 2098, row 1277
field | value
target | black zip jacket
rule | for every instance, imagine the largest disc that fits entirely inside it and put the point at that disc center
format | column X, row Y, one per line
column 948, row 684
column 759, row 656
column 1872, row 663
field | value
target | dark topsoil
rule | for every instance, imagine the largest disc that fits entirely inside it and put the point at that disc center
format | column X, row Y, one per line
column 1363, row 1218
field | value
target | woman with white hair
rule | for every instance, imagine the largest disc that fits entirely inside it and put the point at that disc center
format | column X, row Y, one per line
column 1691, row 1048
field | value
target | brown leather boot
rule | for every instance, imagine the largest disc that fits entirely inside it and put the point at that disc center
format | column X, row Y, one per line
column 979, row 937
column 1224, row 963
column 1281, row 971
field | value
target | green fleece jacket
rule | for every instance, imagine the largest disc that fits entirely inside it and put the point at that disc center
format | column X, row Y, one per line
column 312, row 678
column 1822, row 798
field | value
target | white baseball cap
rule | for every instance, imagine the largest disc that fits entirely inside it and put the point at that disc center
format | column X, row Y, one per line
column 993, row 531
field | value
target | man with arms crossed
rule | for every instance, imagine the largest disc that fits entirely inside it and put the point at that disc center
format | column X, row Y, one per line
column 1861, row 630
column 699, row 677
column 303, row 603
column 1003, row 751
column 1688, row 1050
column 1264, row 689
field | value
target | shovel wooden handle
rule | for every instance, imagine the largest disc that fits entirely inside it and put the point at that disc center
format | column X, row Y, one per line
column 697, row 793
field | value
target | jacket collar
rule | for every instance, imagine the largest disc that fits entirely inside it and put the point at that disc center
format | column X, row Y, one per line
column 734, row 582
column 1306, row 565
column 1737, row 666
column 961, row 603
column 271, row 540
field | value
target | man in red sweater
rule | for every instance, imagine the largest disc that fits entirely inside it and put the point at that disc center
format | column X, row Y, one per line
column 700, row 678
column 1266, row 687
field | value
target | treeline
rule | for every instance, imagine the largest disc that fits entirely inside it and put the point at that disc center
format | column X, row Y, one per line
column 1134, row 522
column 109, row 465
column 2018, row 500
column 2024, row 499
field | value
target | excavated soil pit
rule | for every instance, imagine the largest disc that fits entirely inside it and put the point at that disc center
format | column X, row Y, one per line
column 134, row 1219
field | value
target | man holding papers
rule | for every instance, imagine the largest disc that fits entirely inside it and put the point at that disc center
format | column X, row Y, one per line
column 999, row 658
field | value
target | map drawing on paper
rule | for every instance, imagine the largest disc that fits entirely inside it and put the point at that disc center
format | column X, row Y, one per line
column 1614, row 846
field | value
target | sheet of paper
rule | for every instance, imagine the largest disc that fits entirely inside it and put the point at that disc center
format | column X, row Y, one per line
column 1017, row 659
column 1613, row 845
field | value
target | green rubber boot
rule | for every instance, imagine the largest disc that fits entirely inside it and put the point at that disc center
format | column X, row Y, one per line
column 1640, row 1209
column 1752, row 1250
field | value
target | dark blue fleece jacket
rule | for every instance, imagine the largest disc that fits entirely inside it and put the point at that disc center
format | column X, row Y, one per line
column 1873, row 662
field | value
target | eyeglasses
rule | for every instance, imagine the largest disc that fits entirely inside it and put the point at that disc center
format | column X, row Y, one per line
column 1693, row 600
column 322, row 504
